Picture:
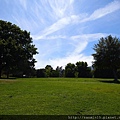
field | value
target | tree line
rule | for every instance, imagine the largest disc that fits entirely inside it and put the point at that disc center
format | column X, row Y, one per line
column 80, row 69
column 17, row 51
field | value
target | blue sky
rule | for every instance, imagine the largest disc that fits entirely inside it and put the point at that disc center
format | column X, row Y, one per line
column 64, row 30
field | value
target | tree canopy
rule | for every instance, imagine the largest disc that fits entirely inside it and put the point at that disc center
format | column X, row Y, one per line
column 16, row 49
column 107, row 54
column 80, row 69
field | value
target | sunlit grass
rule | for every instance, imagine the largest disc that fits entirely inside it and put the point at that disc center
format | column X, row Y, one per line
column 59, row 96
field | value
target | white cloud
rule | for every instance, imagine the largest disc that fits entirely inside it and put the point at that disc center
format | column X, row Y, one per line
column 23, row 3
column 80, row 47
column 64, row 61
column 50, row 16
column 70, row 59
column 73, row 19
column 56, row 26
column 60, row 24
column 109, row 8
column 61, row 8
column 55, row 37
column 89, row 37
column 80, row 43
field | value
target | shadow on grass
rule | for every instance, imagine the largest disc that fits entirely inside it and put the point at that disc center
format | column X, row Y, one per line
column 11, row 78
column 109, row 81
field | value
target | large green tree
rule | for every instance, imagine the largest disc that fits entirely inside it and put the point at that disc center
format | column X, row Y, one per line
column 16, row 48
column 70, row 70
column 107, row 54
column 48, row 70
column 83, row 69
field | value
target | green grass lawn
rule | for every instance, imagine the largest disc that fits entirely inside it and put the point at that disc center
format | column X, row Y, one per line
column 59, row 96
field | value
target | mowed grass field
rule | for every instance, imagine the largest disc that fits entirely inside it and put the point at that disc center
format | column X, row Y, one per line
column 59, row 96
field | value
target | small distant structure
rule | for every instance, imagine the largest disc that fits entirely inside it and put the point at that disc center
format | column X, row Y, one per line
column 24, row 75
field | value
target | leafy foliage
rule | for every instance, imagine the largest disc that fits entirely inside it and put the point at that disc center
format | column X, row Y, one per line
column 16, row 48
column 50, row 72
column 107, row 54
column 70, row 70
column 81, row 69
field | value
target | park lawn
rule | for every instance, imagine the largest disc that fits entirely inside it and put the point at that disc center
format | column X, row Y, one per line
column 59, row 96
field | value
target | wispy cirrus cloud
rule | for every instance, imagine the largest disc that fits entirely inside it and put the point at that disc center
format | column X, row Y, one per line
column 73, row 19
column 60, row 24
column 61, row 8
column 101, row 12
column 81, row 41
column 79, row 44
column 60, row 31
column 70, row 59
column 23, row 3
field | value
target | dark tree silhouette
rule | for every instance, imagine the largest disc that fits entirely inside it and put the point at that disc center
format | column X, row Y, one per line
column 107, row 54
column 16, row 48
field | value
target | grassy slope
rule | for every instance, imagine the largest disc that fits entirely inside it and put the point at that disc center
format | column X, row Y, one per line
column 59, row 96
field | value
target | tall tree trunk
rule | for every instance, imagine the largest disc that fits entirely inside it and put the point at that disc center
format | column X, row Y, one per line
column 0, row 72
column 0, row 69
column 7, row 73
column 115, row 75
